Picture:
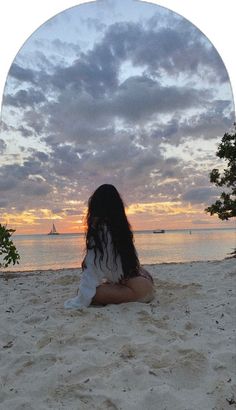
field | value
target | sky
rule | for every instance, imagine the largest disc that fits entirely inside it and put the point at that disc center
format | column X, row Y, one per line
column 113, row 92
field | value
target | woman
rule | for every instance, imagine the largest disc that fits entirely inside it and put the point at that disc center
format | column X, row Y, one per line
column 111, row 269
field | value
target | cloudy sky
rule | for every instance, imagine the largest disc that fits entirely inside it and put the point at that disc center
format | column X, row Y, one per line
column 119, row 92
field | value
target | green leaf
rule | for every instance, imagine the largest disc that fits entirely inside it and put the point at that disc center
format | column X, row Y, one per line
column 7, row 248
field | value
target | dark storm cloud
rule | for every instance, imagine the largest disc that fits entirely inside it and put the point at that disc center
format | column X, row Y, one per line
column 78, row 117
column 22, row 74
column 71, row 212
column 4, row 126
column 24, row 98
column 19, row 173
column 27, row 185
column 135, row 100
column 171, row 168
column 94, row 72
column 3, row 146
column 179, row 49
column 7, row 182
column 41, row 156
column 3, row 203
column 40, row 171
column 35, row 120
column 35, row 188
column 142, row 166
column 210, row 123
column 43, row 63
column 139, row 97
column 199, row 195
column 24, row 131
column 119, row 155
column 31, row 184
column 89, row 87
column 66, row 161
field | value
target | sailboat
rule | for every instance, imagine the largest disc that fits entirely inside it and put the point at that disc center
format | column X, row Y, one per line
column 53, row 231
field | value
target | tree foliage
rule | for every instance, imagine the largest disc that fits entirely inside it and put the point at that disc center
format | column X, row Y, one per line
column 225, row 206
column 8, row 252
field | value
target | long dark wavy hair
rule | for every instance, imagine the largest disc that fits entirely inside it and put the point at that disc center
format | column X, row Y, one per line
column 106, row 208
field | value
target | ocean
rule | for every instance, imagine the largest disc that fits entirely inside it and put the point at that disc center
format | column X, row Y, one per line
column 42, row 252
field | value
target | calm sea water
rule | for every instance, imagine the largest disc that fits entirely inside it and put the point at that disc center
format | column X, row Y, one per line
column 40, row 252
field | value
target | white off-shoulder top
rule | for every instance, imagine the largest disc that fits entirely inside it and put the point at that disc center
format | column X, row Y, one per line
column 94, row 273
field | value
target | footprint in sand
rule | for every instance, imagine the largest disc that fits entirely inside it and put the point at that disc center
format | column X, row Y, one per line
column 82, row 394
column 108, row 405
column 127, row 352
column 185, row 367
column 188, row 368
column 44, row 341
column 225, row 360
column 35, row 363
column 146, row 318
column 34, row 319
column 189, row 326
column 213, row 290
column 65, row 280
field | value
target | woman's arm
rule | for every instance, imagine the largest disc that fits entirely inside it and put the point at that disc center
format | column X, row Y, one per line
column 89, row 281
column 87, row 289
column 94, row 272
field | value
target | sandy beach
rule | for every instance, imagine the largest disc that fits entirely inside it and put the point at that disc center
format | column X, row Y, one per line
column 176, row 353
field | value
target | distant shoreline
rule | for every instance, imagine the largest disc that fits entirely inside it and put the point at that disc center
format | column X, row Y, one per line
column 134, row 231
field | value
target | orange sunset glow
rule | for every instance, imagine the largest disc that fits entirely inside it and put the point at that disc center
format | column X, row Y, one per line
column 142, row 216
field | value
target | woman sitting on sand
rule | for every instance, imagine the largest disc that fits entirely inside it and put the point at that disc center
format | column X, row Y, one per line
column 111, row 269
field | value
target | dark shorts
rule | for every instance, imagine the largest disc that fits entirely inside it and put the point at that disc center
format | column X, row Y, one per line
column 145, row 274
column 142, row 272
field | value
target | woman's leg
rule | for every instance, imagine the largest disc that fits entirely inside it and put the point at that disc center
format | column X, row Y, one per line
column 110, row 293
column 135, row 289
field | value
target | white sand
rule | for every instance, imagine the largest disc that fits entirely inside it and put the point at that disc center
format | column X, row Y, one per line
column 177, row 353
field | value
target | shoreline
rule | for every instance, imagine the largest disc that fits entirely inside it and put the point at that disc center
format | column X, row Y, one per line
column 31, row 272
column 136, row 231
column 178, row 350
